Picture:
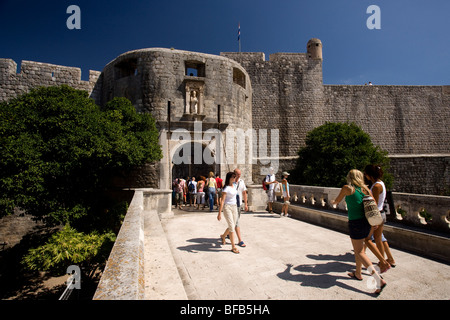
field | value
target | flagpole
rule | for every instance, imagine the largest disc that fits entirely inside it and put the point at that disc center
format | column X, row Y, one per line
column 239, row 36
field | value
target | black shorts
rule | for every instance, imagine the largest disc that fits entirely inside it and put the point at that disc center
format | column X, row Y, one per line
column 359, row 228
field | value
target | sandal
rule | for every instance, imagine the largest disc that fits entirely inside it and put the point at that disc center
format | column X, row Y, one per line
column 242, row 244
column 378, row 291
column 392, row 264
column 235, row 250
column 353, row 276
column 223, row 239
column 386, row 269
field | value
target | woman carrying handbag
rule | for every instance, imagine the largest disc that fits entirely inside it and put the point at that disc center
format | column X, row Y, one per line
column 360, row 229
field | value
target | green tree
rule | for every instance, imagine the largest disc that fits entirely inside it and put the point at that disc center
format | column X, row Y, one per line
column 59, row 152
column 332, row 150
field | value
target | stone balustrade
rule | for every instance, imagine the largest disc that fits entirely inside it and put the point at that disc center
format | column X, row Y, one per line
column 416, row 223
column 428, row 212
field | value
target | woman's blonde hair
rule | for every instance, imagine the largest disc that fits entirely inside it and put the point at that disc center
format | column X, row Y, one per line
column 355, row 178
column 211, row 174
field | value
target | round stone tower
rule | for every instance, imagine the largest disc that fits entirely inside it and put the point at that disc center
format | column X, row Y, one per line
column 202, row 105
column 314, row 49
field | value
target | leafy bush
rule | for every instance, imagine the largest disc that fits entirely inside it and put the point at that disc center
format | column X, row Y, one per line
column 58, row 150
column 332, row 150
column 68, row 247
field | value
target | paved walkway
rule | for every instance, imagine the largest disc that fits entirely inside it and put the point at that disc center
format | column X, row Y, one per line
column 287, row 259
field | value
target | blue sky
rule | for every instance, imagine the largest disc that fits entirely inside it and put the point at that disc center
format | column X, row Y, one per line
column 411, row 48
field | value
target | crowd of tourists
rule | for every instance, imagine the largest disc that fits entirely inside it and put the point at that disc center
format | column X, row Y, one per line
column 230, row 198
column 199, row 193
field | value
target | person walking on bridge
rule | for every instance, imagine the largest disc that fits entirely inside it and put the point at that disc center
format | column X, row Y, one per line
column 374, row 173
column 241, row 198
column 229, row 207
column 359, row 228
column 286, row 194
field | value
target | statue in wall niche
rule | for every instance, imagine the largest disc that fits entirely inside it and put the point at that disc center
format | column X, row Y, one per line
column 193, row 98
column 194, row 102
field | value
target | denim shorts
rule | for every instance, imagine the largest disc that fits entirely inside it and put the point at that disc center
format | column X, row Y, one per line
column 383, row 238
column 359, row 228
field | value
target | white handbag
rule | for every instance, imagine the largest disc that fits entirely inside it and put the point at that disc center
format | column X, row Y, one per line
column 371, row 211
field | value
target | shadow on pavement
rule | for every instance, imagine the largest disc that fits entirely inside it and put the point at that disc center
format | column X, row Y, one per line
column 319, row 275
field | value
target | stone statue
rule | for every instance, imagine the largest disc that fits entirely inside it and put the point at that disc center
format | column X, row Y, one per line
column 194, row 102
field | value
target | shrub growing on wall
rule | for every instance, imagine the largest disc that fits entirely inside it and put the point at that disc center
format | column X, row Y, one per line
column 332, row 150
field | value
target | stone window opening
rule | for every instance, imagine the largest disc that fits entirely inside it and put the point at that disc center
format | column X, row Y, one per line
column 309, row 46
column 169, row 111
column 191, row 72
column 194, row 69
column 239, row 77
column 126, row 68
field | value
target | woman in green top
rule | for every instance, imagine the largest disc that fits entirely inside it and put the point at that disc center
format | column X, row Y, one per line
column 359, row 228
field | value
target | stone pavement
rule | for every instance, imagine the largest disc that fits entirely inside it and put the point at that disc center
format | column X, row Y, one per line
column 287, row 259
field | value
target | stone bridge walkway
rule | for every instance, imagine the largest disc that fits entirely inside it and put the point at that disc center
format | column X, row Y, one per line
column 284, row 259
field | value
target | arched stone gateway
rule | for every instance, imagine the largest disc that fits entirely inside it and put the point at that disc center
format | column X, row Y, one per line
column 192, row 168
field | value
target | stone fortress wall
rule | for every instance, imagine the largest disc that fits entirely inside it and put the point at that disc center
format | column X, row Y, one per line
column 410, row 122
column 287, row 96
column 36, row 74
column 244, row 90
column 400, row 119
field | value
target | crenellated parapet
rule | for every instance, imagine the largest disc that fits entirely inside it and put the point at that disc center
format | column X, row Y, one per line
column 36, row 74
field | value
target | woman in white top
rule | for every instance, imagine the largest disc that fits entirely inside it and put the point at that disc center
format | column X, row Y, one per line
column 374, row 173
column 229, row 207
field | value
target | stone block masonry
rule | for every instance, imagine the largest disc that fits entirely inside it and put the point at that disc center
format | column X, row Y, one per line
column 289, row 94
column 423, row 174
column 399, row 119
column 36, row 74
